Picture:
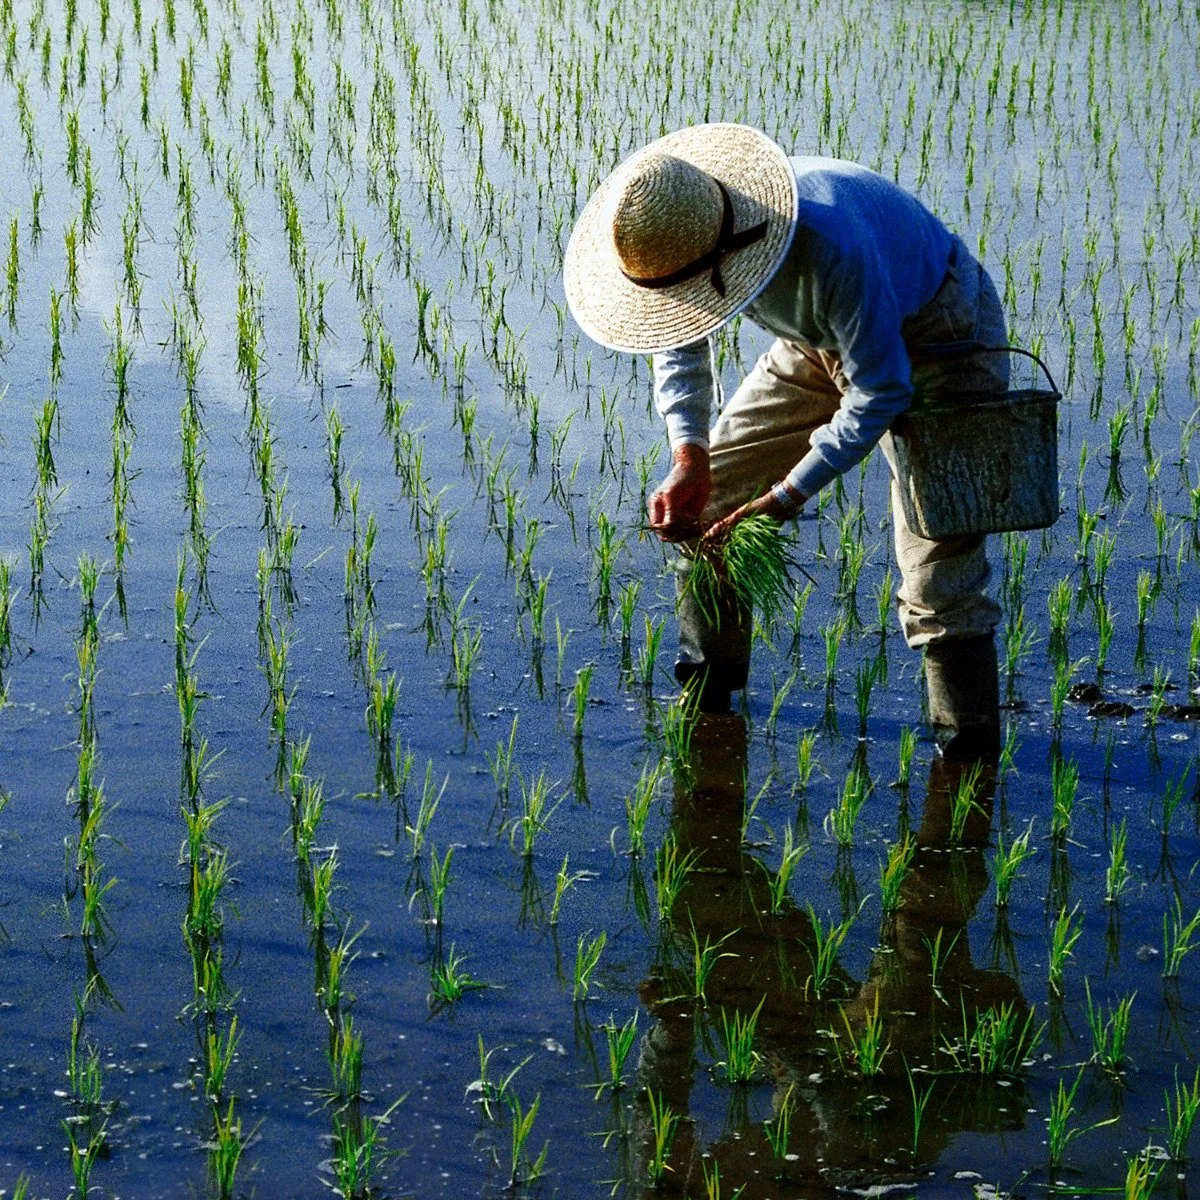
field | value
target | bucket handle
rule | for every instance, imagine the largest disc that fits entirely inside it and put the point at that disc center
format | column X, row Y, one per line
column 969, row 346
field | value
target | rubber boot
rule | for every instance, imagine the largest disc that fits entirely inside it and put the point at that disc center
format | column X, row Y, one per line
column 964, row 697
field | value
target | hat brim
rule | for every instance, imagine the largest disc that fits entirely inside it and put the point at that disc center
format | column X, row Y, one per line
column 626, row 316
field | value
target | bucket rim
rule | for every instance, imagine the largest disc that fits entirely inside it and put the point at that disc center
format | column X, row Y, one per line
column 974, row 401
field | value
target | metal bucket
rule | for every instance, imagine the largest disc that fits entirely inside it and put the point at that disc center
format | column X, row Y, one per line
column 978, row 463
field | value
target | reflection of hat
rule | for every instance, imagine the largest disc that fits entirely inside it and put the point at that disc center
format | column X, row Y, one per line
column 680, row 237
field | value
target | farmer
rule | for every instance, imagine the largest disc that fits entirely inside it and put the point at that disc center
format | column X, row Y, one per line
column 860, row 284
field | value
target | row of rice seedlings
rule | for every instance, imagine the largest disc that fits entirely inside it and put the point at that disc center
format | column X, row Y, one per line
column 209, row 873
column 359, row 1141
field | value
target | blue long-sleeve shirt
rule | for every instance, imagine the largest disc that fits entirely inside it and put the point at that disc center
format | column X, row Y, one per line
column 865, row 255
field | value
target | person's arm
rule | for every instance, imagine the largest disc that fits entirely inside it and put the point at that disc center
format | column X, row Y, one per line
column 863, row 319
column 684, row 390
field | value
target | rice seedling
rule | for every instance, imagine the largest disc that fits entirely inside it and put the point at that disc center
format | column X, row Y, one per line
column 1064, row 785
column 1117, row 875
column 493, row 1091
column 536, row 811
column 664, row 1123
column 741, row 1061
column 1063, row 936
column 587, row 958
column 779, row 881
column 85, row 1152
column 867, row 1048
column 671, row 871
column 964, row 801
column 358, row 1147
column 920, row 1103
column 638, row 806
column 778, row 1129
column 894, row 870
column 1010, row 857
column 524, row 1169
column 619, row 1040
column 750, row 567
column 1179, row 938
column 580, row 694
column 806, row 760
column 431, row 796
column 1142, row 1174
column 994, row 1041
column 1059, row 1132
column 1110, row 1031
column 345, row 1062
column 677, row 723
column 225, row 1152
column 938, row 954
column 822, row 954
column 1182, row 1108
column 840, row 821
column 908, row 747
column 705, row 958
column 564, row 880
column 712, row 1182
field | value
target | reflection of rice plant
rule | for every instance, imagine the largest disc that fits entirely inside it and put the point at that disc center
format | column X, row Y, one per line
column 741, row 1060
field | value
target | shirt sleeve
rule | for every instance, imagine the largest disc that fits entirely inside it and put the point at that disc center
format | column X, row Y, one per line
column 684, row 390
column 862, row 318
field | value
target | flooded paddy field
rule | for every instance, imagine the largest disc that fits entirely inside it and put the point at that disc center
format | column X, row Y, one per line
column 351, row 836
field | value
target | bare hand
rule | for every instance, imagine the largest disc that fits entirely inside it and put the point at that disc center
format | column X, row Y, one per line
column 674, row 509
column 767, row 505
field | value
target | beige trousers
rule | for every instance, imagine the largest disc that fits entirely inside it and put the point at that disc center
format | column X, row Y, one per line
column 764, row 431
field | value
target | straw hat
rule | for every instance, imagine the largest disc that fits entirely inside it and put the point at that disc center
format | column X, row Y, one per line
column 680, row 237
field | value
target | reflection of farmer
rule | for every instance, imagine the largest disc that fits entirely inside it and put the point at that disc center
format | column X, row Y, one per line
column 844, row 1129
column 858, row 281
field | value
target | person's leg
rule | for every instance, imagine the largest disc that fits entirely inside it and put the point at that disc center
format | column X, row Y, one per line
column 943, row 601
column 761, row 434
